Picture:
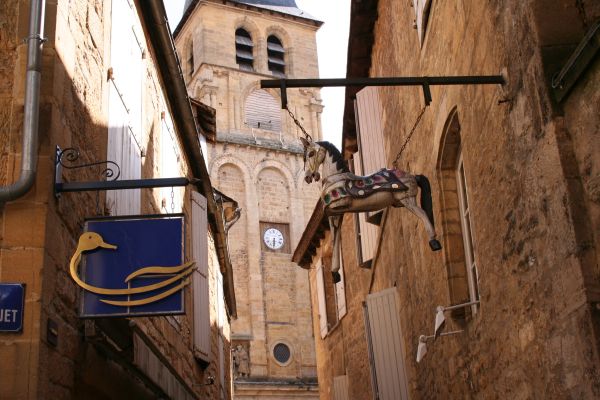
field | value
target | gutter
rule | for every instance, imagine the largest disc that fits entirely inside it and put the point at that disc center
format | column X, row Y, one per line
column 29, row 150
column 154, row 20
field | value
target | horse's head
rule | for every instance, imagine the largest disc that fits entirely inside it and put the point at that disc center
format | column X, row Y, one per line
column 314, row 155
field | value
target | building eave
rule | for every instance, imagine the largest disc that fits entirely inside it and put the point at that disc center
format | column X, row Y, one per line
column 160, row 42
column 311, row 238
column 188, row 12
column 363, row 16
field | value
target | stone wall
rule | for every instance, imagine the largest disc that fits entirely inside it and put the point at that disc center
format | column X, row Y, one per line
column 531, row 166
column 39, row 232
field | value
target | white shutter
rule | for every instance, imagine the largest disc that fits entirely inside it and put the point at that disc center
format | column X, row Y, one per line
column 371, row 157
column 386, row 345
column 200, row 277
column 220, row 323
column 125, row 106
column 370, row 127
column 170, row 164
column 340, row 387
column 321, row 299
column 340, row 290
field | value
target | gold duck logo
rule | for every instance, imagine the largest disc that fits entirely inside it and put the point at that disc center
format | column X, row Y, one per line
column 91, row 241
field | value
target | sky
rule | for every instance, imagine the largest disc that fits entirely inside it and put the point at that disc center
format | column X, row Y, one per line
column 332, row 45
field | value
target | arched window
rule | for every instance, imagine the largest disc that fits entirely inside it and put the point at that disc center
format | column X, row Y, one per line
column 275, row 53
column 244, row 50
column 459, row 246
column 262, row 111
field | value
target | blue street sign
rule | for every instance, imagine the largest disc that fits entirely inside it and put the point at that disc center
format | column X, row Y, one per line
column 132, row 266
column 12, row 305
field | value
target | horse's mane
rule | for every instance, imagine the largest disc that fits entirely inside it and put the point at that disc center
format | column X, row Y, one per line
column 337, row 157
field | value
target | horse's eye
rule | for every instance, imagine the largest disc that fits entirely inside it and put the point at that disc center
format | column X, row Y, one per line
column 311, row 153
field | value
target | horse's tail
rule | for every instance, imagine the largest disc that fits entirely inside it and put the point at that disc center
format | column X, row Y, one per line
column 426, row 202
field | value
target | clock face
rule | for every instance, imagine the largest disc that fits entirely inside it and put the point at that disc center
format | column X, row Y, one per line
column 273, row 238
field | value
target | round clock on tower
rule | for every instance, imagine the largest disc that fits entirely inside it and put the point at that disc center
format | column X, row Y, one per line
column 273, row 238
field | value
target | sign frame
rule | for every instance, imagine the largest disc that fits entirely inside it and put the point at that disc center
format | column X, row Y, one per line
column 23, row 287
column 128, row 314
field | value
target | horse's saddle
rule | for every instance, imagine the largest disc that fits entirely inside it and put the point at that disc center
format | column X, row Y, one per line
column 356, row 186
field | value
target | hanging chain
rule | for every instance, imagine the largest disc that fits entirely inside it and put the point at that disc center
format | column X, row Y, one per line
column 172, row 201
column 395, row 163
column 97, row 202
column 306, row 135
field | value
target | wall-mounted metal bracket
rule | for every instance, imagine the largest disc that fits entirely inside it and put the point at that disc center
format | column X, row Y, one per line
column 424, row 81
column 65, row 159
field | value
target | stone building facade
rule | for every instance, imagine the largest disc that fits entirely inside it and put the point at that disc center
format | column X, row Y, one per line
column 104, row 73
column 514, row 171
column 227, row 48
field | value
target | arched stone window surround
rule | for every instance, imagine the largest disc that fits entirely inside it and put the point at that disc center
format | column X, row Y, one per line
column 252, row 28
column 279, row 166
column 286, row 42
column 247, row 91
column 216, row 164
column 452, row 233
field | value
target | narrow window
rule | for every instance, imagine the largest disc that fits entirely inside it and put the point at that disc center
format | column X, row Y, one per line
column 465, row 219
column 244, row 50
column 276, row 53
column 422, row 8
column 459, row 246
column 190, row 60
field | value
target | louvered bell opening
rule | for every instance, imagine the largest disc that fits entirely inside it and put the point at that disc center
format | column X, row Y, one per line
column 243, row 50
column 275, row 47
column 275, row 53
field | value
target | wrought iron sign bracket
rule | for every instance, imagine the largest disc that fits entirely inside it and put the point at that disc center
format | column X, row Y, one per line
column 424, row 81
column 67, row 157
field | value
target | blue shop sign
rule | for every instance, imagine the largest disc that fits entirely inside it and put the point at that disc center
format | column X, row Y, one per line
column 131, row 266
column 12, row 305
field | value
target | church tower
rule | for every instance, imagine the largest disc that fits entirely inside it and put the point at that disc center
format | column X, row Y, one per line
column 226, row 47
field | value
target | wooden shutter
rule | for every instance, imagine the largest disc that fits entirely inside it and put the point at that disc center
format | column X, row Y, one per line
column 371, row 157
column 340, row 387
column 125, row 106
column 200, row 278
column 372, row 148
column 340, row 290
column 385, row 334
column 321, row 299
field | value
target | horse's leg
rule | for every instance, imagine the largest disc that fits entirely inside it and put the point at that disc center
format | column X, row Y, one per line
column 335, row 225
column 411, row 204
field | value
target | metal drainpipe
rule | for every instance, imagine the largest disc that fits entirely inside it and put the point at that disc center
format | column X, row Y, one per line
column 35, row 42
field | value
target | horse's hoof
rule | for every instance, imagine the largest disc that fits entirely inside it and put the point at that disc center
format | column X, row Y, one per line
column 336, row 277
column 435, row 245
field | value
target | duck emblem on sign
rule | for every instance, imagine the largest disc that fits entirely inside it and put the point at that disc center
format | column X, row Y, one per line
column 131, row 266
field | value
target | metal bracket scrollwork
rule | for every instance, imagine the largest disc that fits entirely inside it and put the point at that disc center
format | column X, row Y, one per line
column 71, row 155
column 68, row 157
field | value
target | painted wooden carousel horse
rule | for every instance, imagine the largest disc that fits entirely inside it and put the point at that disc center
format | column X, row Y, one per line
column 345, row 192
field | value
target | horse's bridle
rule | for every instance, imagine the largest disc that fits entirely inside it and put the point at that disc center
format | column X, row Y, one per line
column 315, row 160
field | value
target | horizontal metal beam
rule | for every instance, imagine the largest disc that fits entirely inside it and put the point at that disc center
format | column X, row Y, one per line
column 396, row 81
column 424, row 81
column 60, row 187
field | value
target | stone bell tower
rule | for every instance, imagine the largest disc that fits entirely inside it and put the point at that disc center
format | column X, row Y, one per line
column 226, row 48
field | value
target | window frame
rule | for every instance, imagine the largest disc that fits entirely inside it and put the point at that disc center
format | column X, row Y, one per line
column 276, row 55
column 422, row 14
column 247, row 47
column 467, row 232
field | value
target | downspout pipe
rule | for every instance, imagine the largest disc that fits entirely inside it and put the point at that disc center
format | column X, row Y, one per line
column 35, row 42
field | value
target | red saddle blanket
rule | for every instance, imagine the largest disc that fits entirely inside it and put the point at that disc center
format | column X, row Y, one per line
column 364, row 186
